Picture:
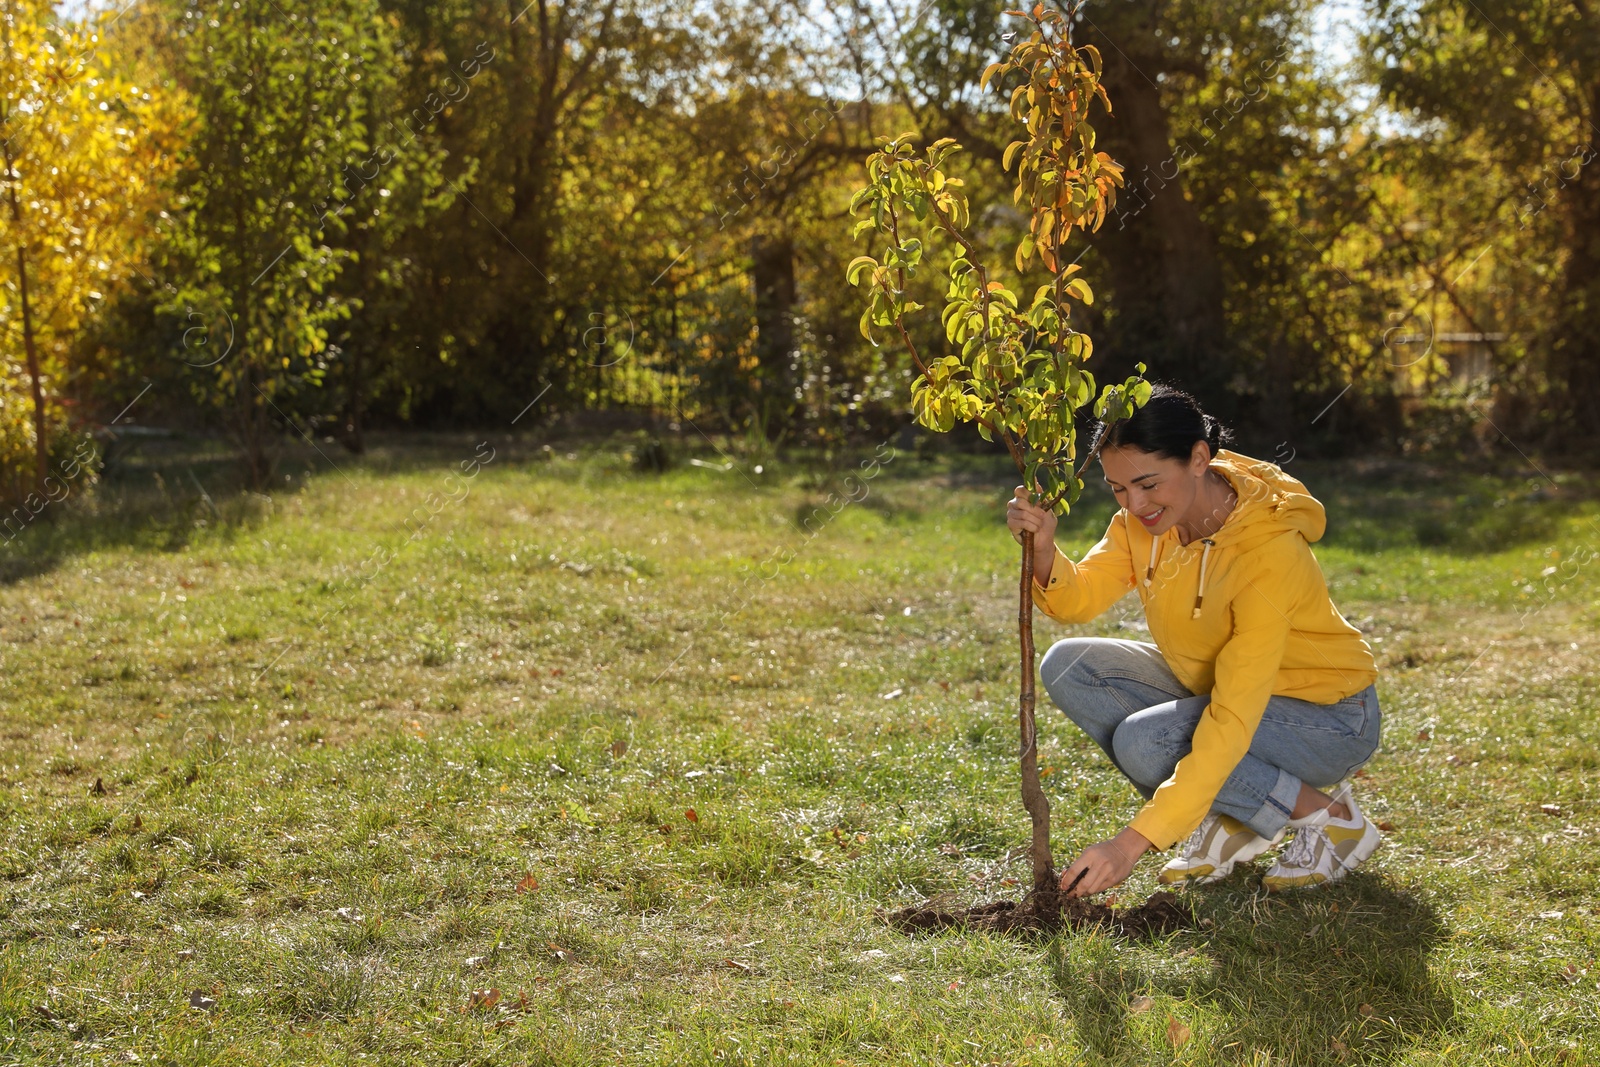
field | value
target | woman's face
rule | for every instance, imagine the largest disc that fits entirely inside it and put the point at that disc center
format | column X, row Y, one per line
column 1156, row 490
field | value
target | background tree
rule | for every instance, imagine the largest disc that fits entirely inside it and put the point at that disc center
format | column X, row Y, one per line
column 85, row 152
column 1525, row 80
column 255, row 238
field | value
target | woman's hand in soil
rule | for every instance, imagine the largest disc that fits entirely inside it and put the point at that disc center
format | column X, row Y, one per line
column 1020, row 516
column 1104, row 865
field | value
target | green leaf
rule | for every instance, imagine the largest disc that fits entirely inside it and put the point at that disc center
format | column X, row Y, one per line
column 857, row 265
column 1025, row 250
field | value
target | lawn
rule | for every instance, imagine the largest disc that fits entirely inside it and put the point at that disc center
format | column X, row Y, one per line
column 544, row 760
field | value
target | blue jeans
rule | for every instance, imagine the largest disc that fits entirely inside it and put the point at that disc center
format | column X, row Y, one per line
column 1125, row 697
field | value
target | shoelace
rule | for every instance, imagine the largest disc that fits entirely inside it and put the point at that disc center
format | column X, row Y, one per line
column 1302, row 849
column 1195, row 839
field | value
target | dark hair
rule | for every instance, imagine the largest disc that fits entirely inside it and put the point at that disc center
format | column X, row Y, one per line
column 1168, row 424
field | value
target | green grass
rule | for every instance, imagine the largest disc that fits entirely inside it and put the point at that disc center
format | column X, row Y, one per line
column 347, row 777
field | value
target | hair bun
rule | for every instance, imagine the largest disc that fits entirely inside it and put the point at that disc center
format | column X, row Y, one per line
column 1216, row 433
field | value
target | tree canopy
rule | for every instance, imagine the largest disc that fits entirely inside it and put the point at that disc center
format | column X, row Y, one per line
column 388, row 213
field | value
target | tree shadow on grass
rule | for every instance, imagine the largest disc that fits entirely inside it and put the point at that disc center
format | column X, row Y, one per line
column 1338, row 976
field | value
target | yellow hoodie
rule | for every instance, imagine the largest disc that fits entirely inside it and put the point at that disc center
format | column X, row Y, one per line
column 1241, row 615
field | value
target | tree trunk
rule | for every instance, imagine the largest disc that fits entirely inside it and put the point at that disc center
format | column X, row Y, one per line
column 41, row 444
column 353, row 439
column 253, row 417
column 1162, row 257
column 1575, row 344
column 772, row 278
column 1033, row 797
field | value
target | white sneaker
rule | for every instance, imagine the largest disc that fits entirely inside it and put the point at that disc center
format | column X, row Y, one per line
column 1211, row 851
column 1324, row 848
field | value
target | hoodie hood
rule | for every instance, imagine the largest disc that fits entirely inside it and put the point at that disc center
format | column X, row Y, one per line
column 1270, row 503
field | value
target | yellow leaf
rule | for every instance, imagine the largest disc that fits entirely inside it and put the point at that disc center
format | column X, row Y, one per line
column 1177, row 1034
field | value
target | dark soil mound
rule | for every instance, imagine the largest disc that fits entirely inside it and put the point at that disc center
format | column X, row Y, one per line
column 1045, row 913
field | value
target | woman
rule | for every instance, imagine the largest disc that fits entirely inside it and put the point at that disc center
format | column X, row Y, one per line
column 1256, row 696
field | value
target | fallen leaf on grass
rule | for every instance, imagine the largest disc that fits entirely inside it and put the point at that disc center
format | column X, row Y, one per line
column 98, row 789
column 474, row 962
column 619, row 748
column 1140, row 1004
column 1386, row 826
column 742, row 968
column 945, row 686
column 200, row 1002
column 1177, row 1034
column 1365, row 1009
column 484, row 998
column 528, row 883
column 691, row 816
column 1340, row 1049
column 1423, row 735
column 1550, row 809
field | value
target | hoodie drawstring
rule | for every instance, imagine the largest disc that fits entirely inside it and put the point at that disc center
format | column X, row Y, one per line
column 1200, row 591
column 1150, row 571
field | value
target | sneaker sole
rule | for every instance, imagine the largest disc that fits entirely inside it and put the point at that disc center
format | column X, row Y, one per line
column 1204, row 875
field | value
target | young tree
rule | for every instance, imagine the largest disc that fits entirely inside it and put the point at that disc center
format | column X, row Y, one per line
column 1019, row 374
